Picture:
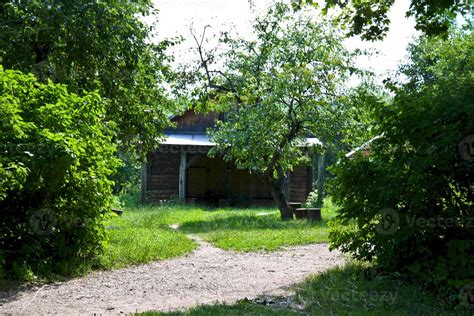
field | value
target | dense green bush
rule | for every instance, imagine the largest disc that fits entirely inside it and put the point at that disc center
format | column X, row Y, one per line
column 409, row 206
column 55, row 159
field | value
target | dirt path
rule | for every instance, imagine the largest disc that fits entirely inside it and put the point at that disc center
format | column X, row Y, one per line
column 205, row 276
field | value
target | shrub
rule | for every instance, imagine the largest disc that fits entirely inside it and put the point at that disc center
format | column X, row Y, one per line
column 409, row 206
column 55, row 159
column 312, row 200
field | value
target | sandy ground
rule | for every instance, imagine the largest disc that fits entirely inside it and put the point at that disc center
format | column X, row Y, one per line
column 205, row 276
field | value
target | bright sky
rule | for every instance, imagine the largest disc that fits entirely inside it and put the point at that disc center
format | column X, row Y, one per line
column 176, row 16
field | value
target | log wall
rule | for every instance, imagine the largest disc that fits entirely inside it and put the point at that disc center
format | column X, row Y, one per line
column 194, row 123
column 163, row 176
column 212, row 180
column 300, row 183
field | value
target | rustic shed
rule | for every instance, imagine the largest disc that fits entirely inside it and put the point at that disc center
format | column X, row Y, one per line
column 180, row 169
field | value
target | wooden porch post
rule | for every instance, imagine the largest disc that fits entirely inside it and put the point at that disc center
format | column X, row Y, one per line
column 182, row 177
column 286, row 186
column 144, row 181
column 320, row 181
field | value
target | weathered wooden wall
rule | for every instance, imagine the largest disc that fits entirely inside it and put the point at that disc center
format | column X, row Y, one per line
column 162, row 176
column 212, row 179
column 194, row 123
column 300, row 183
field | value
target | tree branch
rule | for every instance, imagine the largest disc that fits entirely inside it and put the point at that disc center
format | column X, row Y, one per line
column 205, row 65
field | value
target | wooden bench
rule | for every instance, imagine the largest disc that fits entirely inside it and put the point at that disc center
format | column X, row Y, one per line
column 294, row 206
column 117, row 211
column 311, row 213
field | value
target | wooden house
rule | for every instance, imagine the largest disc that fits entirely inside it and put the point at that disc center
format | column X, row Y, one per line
column 181, row 169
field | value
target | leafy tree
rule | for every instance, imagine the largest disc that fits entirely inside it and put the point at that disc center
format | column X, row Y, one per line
column 278, row 89
column 369, row 18
column 410, row 204
column 94, row 45
column 56, row 157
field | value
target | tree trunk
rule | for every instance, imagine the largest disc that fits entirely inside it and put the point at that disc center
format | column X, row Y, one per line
column 276, row 189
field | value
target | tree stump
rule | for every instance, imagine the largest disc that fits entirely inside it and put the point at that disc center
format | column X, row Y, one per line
column 313, row 214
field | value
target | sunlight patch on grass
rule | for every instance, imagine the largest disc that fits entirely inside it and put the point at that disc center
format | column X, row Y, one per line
column 131, row 246
column 265, row 239
column 246, row 230
column 140, row 236
column 254, row 233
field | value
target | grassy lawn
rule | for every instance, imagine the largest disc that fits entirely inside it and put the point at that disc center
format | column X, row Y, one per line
column 247, row 230
column 142, row 234
column 129, row 245
column 343, row 291
column 241, row 308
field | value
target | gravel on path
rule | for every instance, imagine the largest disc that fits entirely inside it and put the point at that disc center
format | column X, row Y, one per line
column 207, row 275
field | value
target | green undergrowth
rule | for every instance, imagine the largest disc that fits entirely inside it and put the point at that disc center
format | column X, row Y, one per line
column 356, row 289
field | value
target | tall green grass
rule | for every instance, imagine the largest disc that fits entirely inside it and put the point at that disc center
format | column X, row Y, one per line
column 134, row 245
column 139, row 236
column 357, row 289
